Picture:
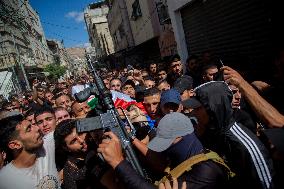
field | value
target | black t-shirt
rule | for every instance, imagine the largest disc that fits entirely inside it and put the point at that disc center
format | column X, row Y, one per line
column 78, row 173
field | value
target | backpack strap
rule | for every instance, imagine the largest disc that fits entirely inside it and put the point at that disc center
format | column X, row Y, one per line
column 187, row 165
column 217, row 159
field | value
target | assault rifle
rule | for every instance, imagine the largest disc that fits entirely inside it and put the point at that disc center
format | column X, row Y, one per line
column 109, row 120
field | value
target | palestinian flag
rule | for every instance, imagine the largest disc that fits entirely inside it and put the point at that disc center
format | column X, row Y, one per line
column 92, row 101
column 121, row 100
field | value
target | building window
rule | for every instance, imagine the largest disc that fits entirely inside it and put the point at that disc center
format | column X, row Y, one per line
column 115, row 39
column 136, row 10
column 121, row 31
column 163, row 14
column 37, row 53
column 42, row 54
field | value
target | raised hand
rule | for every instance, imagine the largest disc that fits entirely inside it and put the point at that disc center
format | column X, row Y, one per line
column 111, row 150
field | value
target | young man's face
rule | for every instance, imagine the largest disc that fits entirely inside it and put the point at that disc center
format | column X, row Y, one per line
column 236, row 101
column 61, row 115
column 149, row 84
column 31, row 118
column 51, row 88
column 13, row 106
column 49, row 96
column 144, row 74
column 153, row 68
column 61, row 85
column 30, row 97
column 29, row 136
column 40, row 93
column 151, row 104
column 162, row 75
column 176, row 67
column 164, row 86
column 193, row 65
column 80, row 109
column 115, row 85
column 129, row 90
column 123, row 72
column 46, row 122
column 209, row 74
column 64, row 101
column 75, row 142
column 106, row 82
column 65, row 91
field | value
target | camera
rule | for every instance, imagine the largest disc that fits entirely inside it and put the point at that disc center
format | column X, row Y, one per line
column 86, row 93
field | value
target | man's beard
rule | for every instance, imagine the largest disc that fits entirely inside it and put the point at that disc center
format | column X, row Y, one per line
column 34, row 149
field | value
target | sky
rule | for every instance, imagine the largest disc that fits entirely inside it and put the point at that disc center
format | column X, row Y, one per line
column 63, row 19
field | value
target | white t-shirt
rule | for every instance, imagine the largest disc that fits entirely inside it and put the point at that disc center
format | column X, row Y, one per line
column 42, row 174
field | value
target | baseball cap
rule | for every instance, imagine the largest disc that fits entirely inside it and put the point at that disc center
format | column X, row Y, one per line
column 276, row 136
column 183, row 83
column 170, row 127
column 191, row 103
column 170, row 95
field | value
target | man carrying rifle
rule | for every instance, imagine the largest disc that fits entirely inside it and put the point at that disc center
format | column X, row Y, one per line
column 176, row 140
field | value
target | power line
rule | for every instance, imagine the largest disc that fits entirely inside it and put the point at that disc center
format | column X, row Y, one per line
column 61, row 26
column 65, row 38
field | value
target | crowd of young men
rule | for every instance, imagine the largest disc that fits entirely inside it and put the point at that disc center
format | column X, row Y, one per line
column 203, row 121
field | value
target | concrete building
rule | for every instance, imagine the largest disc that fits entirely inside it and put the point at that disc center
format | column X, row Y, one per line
column 22, row 36
column 59, row 53
column 12, row 41
column 95, row 16
column 119, row 25
column 22, row 43
column 151, row 29
column 166, row 40
column 143, row 20
column 36, row 36
column 241, row 33
column 77, row 60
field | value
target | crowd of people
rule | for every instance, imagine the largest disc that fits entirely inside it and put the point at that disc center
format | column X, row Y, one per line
column 196, row 125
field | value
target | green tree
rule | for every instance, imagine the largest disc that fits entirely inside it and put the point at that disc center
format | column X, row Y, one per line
column 55, row 71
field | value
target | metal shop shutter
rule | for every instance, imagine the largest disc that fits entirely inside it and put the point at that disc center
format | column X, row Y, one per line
column 231, row 29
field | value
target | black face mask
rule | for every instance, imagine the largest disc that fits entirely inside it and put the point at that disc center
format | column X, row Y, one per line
column 188, row 146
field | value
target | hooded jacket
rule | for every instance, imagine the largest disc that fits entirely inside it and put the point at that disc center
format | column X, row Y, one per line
column 244, row 152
